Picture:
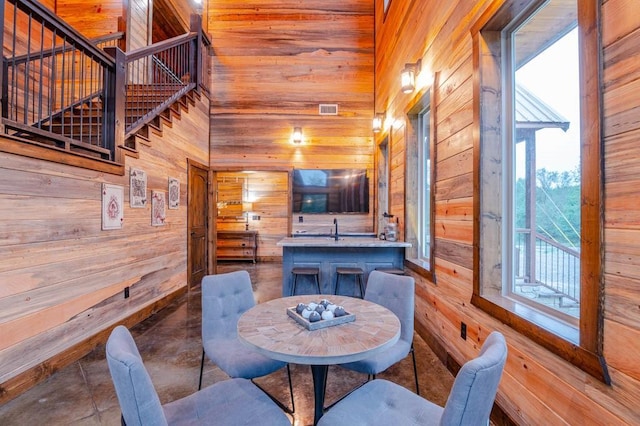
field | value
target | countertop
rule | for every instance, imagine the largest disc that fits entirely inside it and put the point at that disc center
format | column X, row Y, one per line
column 342, row 242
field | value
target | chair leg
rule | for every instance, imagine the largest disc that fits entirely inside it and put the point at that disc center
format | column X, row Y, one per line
column 201, row 368
column 415, row 369
column 295, row 282
column 337, row 284
column 273, row 398
column 317, row 283
column 361, row 285
column 324, row 389
column 293, row 404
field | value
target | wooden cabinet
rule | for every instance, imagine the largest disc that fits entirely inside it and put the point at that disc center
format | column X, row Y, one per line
column 237, row 245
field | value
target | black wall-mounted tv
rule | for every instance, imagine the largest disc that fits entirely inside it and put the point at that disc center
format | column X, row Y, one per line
column 330, row 191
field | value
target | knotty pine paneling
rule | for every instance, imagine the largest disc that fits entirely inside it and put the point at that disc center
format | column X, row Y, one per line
column 537, row 387
column 91, row 18
column 274, row 63
column 61, row 276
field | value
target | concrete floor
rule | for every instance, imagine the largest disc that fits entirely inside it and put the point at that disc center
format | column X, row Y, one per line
column 169, row 341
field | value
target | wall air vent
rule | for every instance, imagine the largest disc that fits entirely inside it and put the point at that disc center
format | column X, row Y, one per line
column 328, row 109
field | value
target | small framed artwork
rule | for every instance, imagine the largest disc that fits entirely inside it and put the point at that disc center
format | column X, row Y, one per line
column 112, row 206
column 137, row 188
column 174, row 193
column 158, row 208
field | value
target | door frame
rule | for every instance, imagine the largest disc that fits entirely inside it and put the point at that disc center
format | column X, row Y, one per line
column 210, row 227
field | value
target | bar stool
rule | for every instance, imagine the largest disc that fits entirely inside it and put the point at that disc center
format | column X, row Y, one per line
column 358, row 276
column 393, row 271
column 315, row 272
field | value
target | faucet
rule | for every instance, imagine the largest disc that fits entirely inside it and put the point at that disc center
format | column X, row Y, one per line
column 335, row 222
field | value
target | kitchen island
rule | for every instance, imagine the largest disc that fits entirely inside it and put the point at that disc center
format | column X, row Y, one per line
column 327, row 254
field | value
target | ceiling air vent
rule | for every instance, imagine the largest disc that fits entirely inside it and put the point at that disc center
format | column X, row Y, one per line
column 328, row 109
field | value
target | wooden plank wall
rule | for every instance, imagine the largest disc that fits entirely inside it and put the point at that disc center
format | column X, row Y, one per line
column 275, row 61
column 138, row 29
column 537, row 387
column 61, row 276
column 268, row 192
column 93, row 18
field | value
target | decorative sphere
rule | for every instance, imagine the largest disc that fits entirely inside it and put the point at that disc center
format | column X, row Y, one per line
column 314, row 316
column 312, row 305
column 325, row 302
column 327, row 315
column 306, row 313
column 332, row 307
column 320, row 309
column 301, row 307
column 339, row 311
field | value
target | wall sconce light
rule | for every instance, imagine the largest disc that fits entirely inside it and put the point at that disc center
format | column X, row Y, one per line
column 378, row 122
column 408, row 76
column 297, row 135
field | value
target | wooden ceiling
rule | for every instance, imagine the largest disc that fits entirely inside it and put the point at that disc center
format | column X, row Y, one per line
column 168, row 21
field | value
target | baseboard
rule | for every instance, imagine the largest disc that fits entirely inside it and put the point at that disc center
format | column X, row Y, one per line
column 498, row 416
column 30, row 378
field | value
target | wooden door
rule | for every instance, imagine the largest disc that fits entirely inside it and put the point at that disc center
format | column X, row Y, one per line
column 197, row 223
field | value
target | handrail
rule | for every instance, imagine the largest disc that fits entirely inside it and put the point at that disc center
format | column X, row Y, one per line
column 52, row 22
column 107, row 38
column 159, row 46
column 18, row 60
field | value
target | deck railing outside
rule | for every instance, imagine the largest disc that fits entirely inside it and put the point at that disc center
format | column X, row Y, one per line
column 553, row 267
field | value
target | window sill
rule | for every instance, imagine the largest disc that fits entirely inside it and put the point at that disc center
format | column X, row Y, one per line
column 590, row 362
column 421, row 268
column 546, row 321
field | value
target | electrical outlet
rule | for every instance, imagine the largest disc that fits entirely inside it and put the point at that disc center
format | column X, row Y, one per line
column 300, row 219
column 463, row 330
column 255, row 217
column 126, row 292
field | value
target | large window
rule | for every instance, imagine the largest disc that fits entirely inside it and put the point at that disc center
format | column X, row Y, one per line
column 419, row 193
column 424, row 183
column 539, row 181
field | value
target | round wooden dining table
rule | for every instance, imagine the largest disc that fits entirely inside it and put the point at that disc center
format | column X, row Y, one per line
column 269, row 330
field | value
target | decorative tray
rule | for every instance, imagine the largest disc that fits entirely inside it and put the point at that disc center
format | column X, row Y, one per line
column 323, row 323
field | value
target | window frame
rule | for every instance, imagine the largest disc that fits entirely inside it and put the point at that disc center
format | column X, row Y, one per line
column 414, row 201
column 488, row 86
column 423, row 118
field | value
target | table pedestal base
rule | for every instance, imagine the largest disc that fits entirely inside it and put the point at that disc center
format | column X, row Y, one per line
column 319, row 374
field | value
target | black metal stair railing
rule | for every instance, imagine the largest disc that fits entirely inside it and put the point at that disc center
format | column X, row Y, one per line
column 53, row 82
column 84, row 96
column 156, row 76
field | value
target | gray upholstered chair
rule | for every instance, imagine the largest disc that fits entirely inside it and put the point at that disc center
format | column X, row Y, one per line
column 380, row 402
column 225, row 297
column 396, row 293
column 231, row 402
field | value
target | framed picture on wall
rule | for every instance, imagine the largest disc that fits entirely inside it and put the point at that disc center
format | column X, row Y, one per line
column 158, row 208
column 137, row 188
column 112, row 206
column 174, row 193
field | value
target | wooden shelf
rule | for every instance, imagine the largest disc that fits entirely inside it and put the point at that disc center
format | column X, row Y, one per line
column 237, row 245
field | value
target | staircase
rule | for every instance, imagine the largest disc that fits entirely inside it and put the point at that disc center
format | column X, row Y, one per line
column 62, row 90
